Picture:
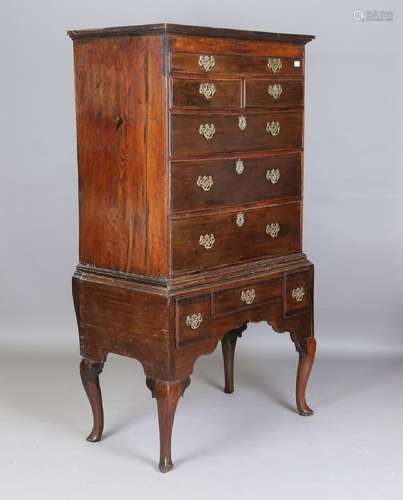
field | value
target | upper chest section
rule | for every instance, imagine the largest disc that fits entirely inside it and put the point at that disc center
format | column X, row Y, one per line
column 225, row 73
column 229, row 95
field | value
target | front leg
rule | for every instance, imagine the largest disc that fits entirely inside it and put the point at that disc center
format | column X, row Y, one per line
column 167, row 395
column 89, row 371
column 306, row 349
column 228, row 344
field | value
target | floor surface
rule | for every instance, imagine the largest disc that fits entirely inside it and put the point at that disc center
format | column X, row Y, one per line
column 251, row 444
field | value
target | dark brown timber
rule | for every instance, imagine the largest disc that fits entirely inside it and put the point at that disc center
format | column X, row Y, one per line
column 228, row 344
column 190, row 161
column 90, row 371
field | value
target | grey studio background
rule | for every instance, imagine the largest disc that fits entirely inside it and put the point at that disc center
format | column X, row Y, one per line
column 251, row 444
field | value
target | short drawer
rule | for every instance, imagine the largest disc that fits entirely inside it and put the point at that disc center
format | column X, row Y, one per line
column 298, row 291
column 206, row 93
column 192, row 319
column 230, row 237
column 250, row 295
column 205, row 184
column 274, row 93
column 199, row 134
column 239, row 64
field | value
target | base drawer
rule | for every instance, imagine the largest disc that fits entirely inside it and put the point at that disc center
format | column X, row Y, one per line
column 250, row 295
column 192, row 319
column 298, row 291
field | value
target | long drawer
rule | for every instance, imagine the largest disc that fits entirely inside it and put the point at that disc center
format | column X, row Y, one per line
column 239, row 64
column 199, row 134
column 206, row 184
column 205, row 242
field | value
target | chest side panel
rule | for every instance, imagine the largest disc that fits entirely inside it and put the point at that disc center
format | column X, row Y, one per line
column 120, row 97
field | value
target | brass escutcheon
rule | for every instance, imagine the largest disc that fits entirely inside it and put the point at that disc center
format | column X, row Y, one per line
column 207, row 62
column 239, row 167
column 205, row 182
column 273, row 229
column 248, row 296
column 273, row 175
column 194, row 320
column 275, row 90
column 207, row 240
column 298, row 294
column 207, row 131
column 273, row 128
column 207, row 90
column 240, row 219
column 242, row 122
column 275, row 64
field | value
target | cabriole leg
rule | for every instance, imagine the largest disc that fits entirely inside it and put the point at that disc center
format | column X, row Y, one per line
column 306, row 349
column 228, row 344
column 167, row 395
column 89, row 371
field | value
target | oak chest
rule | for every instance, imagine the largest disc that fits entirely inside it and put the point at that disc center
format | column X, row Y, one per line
column 190, row 156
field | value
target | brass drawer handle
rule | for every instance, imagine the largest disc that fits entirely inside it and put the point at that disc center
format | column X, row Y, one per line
column 275, row 90
column 273, row 128
column 242, row 122
column 248, row 296
column 273, row 175
column 207, row 62
column 207, row 131
column 298, row 294
column 239, row 167
column 205, row 182
column 207, row 240
column 240, row 219
column 273, row 229
column 274, row 64
column 194, row 320
column 207, row 90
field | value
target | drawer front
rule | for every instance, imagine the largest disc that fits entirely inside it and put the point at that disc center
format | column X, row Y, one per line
column 250, row 295
column 206, row 93
column 213, row 183
column 298, row 291
column 239, row 64
column 194, row 134
column 192, row 319
column 226, row 238
column 274, row 93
